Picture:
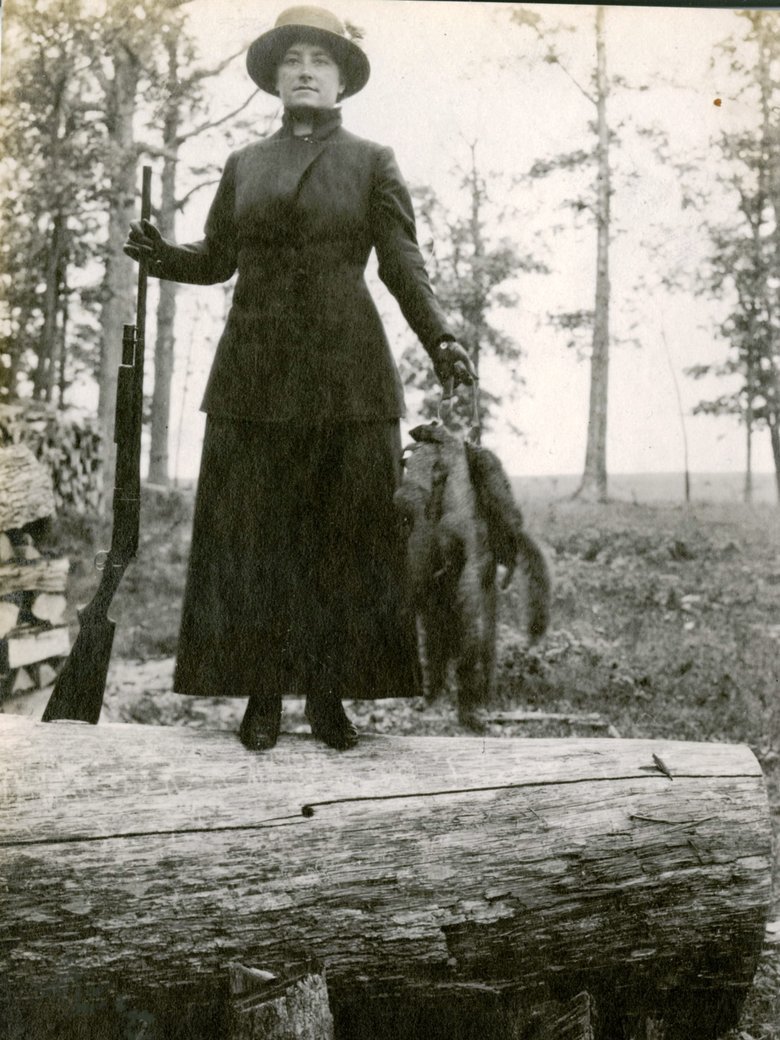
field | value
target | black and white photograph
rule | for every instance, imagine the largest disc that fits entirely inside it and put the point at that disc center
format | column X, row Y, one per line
column 389, row 520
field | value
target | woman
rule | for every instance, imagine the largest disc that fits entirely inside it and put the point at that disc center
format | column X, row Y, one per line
column 296, row 576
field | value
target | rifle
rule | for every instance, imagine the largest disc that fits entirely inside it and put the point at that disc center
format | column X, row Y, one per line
column 81, row 684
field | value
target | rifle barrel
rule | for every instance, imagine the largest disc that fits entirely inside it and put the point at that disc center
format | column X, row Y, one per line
column 81, row 685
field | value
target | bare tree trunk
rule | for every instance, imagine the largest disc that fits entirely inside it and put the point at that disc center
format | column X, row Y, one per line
column 166, row 305
column 774, row 434
column 45, row 372
column 770, row 182
column 57, row 340
column 185, row 389
column 8, row 376
column 46, row 346
column 476, row 316
column 593, row 487
column 63, row 339
column 681, row 414
column 163, row 372
column 748, row 491
column 117, row 304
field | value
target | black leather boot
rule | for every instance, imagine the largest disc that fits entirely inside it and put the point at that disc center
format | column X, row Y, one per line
column 260, row 725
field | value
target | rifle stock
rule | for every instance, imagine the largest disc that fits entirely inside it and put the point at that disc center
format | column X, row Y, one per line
column 81, row 684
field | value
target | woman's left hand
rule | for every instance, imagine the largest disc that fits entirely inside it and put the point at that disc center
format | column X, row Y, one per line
column 453, row 365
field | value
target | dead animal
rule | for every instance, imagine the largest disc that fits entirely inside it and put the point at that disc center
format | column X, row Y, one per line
column 462, row 522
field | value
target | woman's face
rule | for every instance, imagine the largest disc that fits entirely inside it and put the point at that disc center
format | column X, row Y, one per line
column 308, row 77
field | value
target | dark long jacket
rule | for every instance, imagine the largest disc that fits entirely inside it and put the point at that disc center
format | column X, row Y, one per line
column 298, row 218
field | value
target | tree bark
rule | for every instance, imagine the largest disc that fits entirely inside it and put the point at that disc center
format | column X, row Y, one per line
column 474, row 314
column 55, row 247
column 593, row 487
column 140, row 861
column 166, row 305
column 62, row 367
column 774, row 436
column 118, row 307
column 748, row 490
column 769, row 182
column 45, row 372
column 163, row 374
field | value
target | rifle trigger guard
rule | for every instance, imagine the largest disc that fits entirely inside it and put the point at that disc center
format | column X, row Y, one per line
column 101, row 560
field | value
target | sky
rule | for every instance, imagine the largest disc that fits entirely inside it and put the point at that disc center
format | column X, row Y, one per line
column 445, row 75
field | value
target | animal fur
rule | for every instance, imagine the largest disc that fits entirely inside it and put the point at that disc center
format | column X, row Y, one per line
column 462, row 522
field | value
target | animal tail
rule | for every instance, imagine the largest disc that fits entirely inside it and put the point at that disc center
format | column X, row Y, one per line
column 509, row 542
column 539, row 583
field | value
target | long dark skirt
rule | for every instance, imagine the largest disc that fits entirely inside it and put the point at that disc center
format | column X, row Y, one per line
column 296, row 573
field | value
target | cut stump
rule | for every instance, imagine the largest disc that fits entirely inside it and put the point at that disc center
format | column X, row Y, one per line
column 266, row 1007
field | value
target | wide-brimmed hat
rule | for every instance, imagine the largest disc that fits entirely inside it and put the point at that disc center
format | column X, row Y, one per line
column 305, row 23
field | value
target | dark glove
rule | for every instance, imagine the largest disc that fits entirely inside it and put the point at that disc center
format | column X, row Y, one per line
column 452, row 365
column 145, row 241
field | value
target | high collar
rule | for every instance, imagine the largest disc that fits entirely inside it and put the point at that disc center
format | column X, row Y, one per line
column 324, row 122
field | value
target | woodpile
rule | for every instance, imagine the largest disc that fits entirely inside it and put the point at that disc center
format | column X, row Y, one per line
column 68, row 445
column 33, row 631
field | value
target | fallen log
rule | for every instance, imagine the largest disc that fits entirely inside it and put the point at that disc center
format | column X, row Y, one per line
column 138, row 862
column 590, row 719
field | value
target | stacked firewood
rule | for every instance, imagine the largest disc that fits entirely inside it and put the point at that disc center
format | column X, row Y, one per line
column 33, row 631
column 69, row 445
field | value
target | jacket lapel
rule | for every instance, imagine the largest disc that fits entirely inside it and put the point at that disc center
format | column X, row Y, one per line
column 297, row 155
column 294, row 158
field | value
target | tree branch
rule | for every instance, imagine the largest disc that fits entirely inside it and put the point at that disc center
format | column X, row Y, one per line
column 155, row 151
column 196, row 131
column 553, row 59
column 215, row 70
column 181, row 202
column 524, row 18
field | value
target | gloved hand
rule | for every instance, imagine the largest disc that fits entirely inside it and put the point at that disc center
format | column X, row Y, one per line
column 144, row 241
column 452, row 366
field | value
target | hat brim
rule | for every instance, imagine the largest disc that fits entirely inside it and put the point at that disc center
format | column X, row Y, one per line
column 264, row 55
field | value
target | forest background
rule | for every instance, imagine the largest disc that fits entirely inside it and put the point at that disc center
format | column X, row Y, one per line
column 523, row 130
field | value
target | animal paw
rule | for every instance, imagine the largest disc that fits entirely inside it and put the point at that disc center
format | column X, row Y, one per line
column 331, row 724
